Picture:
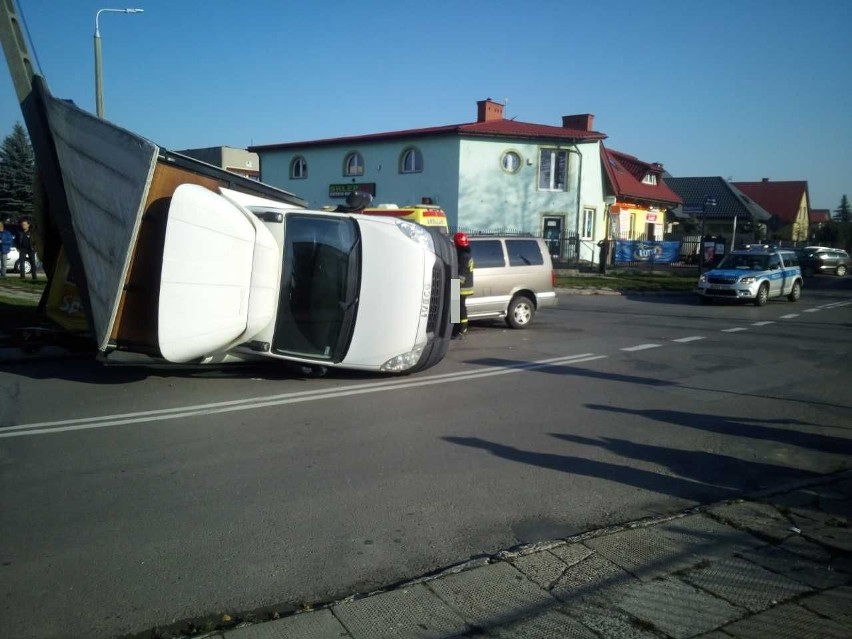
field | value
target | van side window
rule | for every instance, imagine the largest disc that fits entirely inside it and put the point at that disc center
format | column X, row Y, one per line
column 524, row 253
column 487, row 254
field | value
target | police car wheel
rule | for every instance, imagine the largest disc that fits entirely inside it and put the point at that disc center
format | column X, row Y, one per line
column 520, row 313
column 762, row 295
column 795, row 292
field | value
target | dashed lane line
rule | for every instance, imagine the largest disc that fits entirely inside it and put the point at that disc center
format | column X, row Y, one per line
column 767, row 323
column 738, row 329
column 685, row 340
column 812, row 310
column 790, row 316
column 640, row 347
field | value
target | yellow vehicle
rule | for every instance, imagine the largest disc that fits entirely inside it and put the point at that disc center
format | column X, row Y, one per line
column 423, row 214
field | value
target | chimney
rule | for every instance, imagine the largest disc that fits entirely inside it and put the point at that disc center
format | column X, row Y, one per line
column 765, row 180
column 488, row 110
column 580, row 122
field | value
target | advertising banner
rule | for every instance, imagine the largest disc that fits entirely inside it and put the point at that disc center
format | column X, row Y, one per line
column 641, row 251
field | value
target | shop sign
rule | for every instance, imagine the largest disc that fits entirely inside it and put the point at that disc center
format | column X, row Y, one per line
column 342, row 190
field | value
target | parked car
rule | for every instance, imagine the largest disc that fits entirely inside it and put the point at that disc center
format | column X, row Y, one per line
column 753, row 274
column 13, row 262
column 819, row 259
column 513, row 277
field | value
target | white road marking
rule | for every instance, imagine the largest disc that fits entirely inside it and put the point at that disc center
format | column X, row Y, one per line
column 812, row 310
column 87, row 423
column 790, row 316
column 762, row 323
column 684, row 340
column 734, row 330
column 641, row 347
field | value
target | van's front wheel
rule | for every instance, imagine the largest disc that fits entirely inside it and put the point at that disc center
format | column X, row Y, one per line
column 521, row 312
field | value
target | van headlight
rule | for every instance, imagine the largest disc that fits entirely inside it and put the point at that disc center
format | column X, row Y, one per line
column 416, row 233
column 403, row 362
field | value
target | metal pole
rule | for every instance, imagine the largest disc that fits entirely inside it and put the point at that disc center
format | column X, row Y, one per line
column 734, row 235
column 99, row 79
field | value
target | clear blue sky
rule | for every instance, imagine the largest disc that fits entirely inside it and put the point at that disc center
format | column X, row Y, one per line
column 739, row 88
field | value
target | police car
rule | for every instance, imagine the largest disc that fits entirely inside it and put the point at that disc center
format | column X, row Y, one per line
column 753, row 274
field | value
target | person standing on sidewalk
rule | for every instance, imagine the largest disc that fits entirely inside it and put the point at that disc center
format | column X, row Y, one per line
column 27, row 249
column 6, row 240
column 465, row 259
column 604, row 255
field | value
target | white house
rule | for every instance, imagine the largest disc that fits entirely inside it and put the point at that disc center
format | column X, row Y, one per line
column 489, row 175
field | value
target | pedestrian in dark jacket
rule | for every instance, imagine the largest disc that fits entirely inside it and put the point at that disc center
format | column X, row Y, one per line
column 465, row 259
column 6, row 241
column 27, row 249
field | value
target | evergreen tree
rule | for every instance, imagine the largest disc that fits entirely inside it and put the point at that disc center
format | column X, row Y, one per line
column 843, row 213
column 16, row 174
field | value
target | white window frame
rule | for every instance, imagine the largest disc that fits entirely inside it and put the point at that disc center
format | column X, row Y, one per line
column 417, row 160
column 587, row 229
column 298, row 168
column 353, row 164
column 511, row 153
column 650, row 178
column 552, row 179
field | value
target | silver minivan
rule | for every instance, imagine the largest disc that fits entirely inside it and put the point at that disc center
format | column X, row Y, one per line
column 513, row 277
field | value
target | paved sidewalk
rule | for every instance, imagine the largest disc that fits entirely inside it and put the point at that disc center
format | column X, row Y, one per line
column 775, row 567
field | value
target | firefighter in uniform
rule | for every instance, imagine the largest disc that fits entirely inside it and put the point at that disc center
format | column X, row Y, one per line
column 465, row 260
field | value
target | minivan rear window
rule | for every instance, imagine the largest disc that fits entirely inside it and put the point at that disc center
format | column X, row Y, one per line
column 524, row 253
column 487, row 254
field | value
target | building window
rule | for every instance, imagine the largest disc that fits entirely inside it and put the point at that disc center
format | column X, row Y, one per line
column 411, row 161
column 650, row 178
column 353, row 164
column 511, row 162
column 298, row 168
column 587, row 230
column 552, row 170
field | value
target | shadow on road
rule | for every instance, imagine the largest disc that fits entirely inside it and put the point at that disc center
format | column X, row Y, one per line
column 740, row 427
column 651, row 481
column 565, row 369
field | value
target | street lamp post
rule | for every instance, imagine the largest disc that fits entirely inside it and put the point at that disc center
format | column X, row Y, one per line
column 99, row 80
column 709, row 201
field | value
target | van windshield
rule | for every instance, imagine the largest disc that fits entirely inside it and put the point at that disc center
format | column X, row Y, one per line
column 320, row 281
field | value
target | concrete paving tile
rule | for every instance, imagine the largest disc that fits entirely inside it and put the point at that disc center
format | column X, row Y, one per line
column 788, row 621
column 645, row 552
column 716, row 634
column 308, row 625
column 796, row 567
column 492, row 595
column 542, row 567
column 611, row 623
column 677, row 608
column 414, row 613
column 593, row 580
column 745, row 584
column 839, row 539
column 572, row 553
column 708, row 538
column 551, row 624
column 807, row 549
column 836, row 604
column 763, row 520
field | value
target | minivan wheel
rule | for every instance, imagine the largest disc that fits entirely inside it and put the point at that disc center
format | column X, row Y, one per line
column 795, row 292
column 762, row 295
column 841, row 270
column 521, row 311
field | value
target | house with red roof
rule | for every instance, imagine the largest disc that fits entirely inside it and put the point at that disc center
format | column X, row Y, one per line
column 787, row 202
column 642, row 197
column 492, row 174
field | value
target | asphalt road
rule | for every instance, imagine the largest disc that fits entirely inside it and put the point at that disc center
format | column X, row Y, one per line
column 132, row 498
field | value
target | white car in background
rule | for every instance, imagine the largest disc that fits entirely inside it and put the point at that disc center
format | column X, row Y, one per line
column 13, row 259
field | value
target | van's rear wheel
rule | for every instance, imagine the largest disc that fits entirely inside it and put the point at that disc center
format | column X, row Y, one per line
column 521, row 312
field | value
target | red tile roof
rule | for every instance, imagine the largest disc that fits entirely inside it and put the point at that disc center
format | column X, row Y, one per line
column 492, row 128
column 626, row 172
column 820, row 216
column 781, row 199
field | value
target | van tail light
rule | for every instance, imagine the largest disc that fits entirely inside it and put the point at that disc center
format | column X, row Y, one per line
column 553, row 279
